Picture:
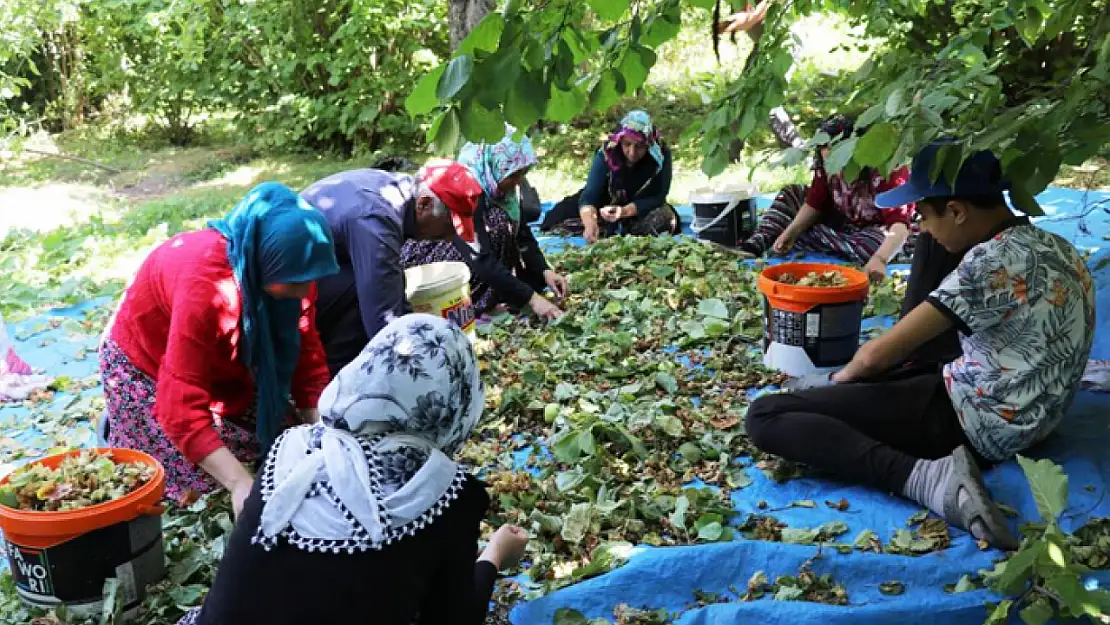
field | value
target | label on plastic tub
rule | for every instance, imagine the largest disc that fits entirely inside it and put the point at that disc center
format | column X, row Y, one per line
column 73, row 572
column 813, row 325
column 457, row 310
column 31, row 570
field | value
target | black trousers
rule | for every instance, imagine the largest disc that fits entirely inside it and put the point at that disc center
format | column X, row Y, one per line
column 873, row 432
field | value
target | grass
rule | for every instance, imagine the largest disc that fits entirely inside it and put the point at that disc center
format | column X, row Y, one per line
column 98, row 225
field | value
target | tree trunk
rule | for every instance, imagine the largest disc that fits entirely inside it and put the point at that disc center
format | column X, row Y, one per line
column 463, row 15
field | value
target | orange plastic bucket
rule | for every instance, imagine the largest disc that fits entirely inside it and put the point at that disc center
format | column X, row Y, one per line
column 806, row 328
column 64, row 557
column 802, row 298
column 46, row 529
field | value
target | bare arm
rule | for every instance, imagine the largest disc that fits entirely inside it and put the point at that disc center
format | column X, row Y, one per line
column 878, row 356
column 806, row 218
column 895, row 236
column 226, row 469
column 744, row 20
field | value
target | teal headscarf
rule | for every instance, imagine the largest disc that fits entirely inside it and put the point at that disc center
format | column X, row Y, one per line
column 490, row 164
column 273, row 237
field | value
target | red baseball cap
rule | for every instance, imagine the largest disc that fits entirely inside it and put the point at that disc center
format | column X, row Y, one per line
column 457, row 189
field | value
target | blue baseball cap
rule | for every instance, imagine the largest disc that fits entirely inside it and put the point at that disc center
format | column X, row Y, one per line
column 980, row 174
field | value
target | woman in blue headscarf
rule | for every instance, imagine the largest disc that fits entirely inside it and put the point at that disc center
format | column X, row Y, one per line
column 215, row 337
column 506, row 265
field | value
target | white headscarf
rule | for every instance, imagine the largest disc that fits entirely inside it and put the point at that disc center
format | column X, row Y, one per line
column 379, row 465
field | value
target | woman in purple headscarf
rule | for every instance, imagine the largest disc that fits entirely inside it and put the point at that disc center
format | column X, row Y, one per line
column 626, row 191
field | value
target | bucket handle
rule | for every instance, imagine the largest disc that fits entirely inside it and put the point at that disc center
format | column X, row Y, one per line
column 728, row 209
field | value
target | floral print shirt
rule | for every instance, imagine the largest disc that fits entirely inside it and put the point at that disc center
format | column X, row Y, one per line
column 1023, row 301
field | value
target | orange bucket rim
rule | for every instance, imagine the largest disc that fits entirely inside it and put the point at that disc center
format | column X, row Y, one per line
column 856, row 289
column 54, row 518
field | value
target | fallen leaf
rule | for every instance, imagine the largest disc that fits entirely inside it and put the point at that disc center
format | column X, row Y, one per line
column 841, row 505
column 799, row 536
column 724, row 423
column 965, row 584
column 789, row 593
column 892, row 588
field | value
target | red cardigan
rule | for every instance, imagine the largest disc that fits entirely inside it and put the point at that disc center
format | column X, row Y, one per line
column 179, row 324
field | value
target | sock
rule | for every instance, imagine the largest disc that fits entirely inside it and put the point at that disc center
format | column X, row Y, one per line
column 928, row 484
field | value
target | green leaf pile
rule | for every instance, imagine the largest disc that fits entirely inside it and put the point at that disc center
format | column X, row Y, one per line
column 639, row 389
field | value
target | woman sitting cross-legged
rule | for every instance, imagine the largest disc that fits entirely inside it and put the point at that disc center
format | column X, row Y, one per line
column 626, row 191
column 836, row 216
column 365, row 517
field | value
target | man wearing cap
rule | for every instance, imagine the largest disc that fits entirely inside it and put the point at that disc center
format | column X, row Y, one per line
column 371, row 214
column 1022, row 301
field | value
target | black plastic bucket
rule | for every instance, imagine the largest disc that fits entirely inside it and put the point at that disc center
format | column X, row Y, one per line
column 827, row 333
column 808, row 329
column 74, row 572
column 725, row 218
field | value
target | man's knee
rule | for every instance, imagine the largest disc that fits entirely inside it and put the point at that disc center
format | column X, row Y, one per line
column 760, row 420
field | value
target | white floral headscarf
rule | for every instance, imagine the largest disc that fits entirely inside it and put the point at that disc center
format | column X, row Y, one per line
column 379, row 465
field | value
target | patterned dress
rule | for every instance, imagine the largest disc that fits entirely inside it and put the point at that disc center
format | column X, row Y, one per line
column 852, row 226
column 130, row 394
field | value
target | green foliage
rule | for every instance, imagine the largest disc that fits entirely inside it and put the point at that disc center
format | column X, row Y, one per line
column 1045, row 573
column 163, row 54
column 41, row 71
column 1027, row 79
column 328, row 75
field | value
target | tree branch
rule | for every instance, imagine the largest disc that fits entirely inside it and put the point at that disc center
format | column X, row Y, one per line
column 76, row 159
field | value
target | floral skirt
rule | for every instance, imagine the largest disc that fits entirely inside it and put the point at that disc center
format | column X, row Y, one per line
column 130, row 396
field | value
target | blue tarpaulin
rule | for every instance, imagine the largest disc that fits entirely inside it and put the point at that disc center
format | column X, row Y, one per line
column 668, row 577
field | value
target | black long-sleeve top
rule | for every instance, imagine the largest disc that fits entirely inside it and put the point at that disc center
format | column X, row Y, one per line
column 432, row 574
column 647, row 183
column 489, row 269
